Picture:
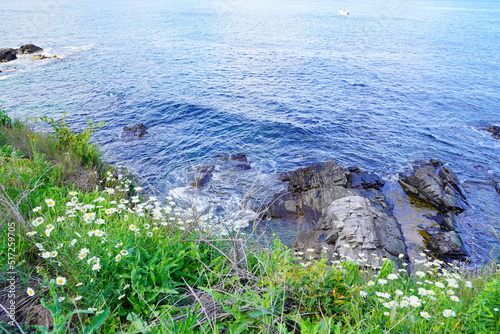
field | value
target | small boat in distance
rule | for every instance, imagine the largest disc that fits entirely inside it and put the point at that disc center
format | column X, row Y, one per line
column 343, row 12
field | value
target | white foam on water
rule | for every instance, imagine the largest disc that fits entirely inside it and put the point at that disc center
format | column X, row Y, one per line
column 81, row 48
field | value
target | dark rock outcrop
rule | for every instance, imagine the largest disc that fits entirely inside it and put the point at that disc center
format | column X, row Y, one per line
column 7, row 55
column 344, row 223
column 10, row 54
column 322, row 175
column 28, row 49
column 203, row 176
column 436, row 185
column 447, row 245
column 439, row 187
column 134, row 131
column 343, row 213
column 310, row 190
column 495, row 131
column 359, row 179
column 447, row 221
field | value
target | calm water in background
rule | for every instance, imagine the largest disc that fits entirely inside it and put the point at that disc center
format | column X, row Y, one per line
column 289, row 83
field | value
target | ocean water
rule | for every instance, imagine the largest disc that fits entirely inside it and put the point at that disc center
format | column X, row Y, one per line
column 289, row 83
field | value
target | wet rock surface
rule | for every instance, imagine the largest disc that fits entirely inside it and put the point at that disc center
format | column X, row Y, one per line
column 236, row 163
column 436, row 185
column 340, row 220
column 238, row 160
column 359, row 179
column 9, row 54
column 41, row 57
column 344, row 213
column 8, row 69
column 203, row 176
column 439, row 187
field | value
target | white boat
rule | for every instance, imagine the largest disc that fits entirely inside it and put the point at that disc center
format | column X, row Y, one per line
column 343, row 12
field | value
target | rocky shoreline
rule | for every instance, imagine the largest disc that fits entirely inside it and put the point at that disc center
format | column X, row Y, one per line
column 344, row 213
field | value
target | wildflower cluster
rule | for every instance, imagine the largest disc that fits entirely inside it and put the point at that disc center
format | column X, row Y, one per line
column 433, row 291
column 100, row 234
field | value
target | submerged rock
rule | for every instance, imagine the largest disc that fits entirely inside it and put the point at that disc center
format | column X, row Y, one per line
column 238, row 160
column 134, row 131
column 436, row 185
column 9, row 69
column 447, row 221
column 495, row 131
column 203, row 176
column 41, row 57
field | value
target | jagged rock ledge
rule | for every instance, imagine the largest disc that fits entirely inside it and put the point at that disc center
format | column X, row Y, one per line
column 344, row 213
column 439, row 187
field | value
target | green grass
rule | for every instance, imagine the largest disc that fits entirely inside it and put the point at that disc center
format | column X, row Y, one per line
column 94, row 256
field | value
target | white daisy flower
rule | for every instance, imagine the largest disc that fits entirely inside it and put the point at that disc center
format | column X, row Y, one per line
column 449, row 313
column 50, row 202
column 60, row 280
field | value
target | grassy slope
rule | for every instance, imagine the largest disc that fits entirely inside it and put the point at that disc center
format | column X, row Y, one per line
column 92, row 255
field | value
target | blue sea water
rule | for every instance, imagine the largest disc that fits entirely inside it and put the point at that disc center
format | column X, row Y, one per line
column 287, row 82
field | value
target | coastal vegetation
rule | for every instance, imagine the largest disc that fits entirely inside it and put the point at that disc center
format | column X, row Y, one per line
column 85, row 250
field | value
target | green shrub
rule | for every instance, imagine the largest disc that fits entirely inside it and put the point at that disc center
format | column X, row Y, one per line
column 68, row 140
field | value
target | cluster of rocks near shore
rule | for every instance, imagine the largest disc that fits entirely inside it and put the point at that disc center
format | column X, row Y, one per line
column 344, row 213
column 9, row 54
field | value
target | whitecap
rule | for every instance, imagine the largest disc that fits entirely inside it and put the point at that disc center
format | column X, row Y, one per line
column 81, row 48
